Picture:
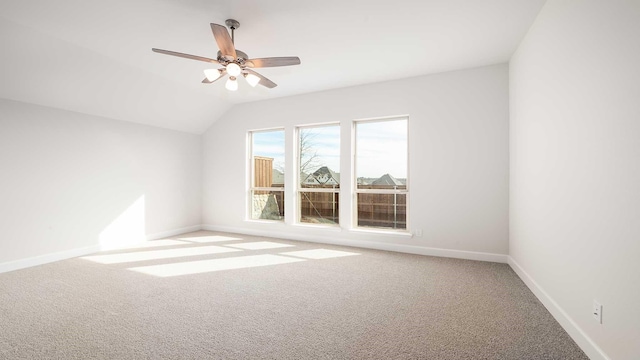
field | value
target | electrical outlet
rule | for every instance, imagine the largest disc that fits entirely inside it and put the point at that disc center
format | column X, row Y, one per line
column 597, row 311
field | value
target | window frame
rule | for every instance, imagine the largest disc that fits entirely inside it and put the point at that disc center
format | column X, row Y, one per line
column 354, row 180
column 298, row 186
column 251, row 188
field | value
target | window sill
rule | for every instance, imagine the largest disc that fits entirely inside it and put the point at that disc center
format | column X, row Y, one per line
column 398, row 233
column 335, row 228
column 259, row 221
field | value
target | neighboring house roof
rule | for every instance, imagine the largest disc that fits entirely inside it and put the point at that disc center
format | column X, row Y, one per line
column 387, row 179
column 278, row 177
column 322, row 176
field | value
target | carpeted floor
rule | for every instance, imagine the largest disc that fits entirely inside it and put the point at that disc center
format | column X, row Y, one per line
column 210, row 295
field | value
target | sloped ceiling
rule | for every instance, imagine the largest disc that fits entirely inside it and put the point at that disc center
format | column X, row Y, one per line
column 95, row 57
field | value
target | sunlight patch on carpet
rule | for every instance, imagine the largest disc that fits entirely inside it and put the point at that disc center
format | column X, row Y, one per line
column 318, row 254
column 151, row 244
column 259, row 245
column 205, row 266
column 208, row 239
column 158, row 254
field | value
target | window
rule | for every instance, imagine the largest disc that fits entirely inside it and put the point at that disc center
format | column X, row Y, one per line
column 381, row 168
column 319, row 178
column 267, row 175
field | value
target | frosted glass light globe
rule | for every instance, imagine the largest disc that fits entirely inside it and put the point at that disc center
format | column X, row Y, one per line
column 232, row 84
column 233, row 69
column 252, row 79
column 212, row 74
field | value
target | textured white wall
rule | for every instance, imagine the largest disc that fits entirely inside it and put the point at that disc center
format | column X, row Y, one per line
column 458, row 157
column 575, row 165
column 66, row 178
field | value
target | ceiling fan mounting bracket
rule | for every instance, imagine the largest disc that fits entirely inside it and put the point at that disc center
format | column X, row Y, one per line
column 232, row 24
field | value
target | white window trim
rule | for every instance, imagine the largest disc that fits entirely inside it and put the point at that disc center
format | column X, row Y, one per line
column 354, row 181
column 299, row 189
column 250, row 181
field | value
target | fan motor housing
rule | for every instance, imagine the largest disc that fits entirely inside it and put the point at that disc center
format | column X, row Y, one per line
column 239, row 54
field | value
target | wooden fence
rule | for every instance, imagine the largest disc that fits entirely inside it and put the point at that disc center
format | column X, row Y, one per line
column 376, row 210
column 263, row 171
column 319, row 207
column 382, row 210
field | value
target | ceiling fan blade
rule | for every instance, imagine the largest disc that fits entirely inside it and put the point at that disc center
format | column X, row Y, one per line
column 225, row 44
column 186, row 56
column 263, row 80
column 273, row 61
column 206, row 81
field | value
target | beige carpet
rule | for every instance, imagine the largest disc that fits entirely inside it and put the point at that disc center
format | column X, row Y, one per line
column 210, row 295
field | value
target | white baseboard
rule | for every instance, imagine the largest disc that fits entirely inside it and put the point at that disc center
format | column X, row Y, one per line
column 587, row 345
column 419, row 250
column 47, row 258
column 168, row 233
column 68, row 254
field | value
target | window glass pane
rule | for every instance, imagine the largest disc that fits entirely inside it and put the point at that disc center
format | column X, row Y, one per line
column 268, row 172
column 382, row 210
column 267, row 205
column 320, row 157
column 381, row 154
column 268, row 158
column 319, row 207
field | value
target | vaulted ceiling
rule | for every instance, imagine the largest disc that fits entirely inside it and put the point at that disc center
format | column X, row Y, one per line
column 95, row 57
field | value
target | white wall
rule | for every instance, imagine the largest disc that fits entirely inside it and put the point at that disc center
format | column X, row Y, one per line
column 458, row 159
column 575, row 168
column 70, row 180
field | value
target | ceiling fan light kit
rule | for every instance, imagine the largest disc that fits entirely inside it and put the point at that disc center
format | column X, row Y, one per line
column 232, row 84
column 212, row 74
column 252, row 79
column 234, row 61
column 233, row 69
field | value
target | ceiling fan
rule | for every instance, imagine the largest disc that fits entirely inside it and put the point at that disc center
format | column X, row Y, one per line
column 235, row 62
